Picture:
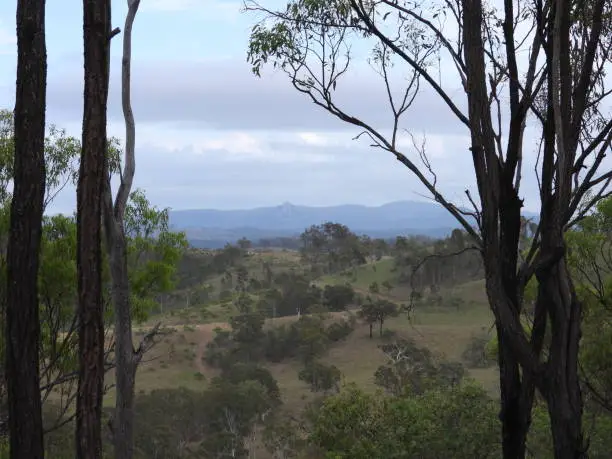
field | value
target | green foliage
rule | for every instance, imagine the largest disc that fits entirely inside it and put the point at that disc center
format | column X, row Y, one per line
column 460, row 422
column 153, row 253
column 338, row 331
column 320, row 377
column 176, row 423
column 331, row 247
column 476, row 354
column 282, row 437
column 411, row 369
column 240, row 372
column 597, row 426
column 377, row 311
column 338, row 297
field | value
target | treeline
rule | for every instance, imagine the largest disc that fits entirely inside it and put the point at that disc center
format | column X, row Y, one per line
column 332, row 247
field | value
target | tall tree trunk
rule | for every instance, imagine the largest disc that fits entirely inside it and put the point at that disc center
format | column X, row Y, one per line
column 123, row 425
column 561, row 387
column 126, row 359
column 22, row 318
column 96, row 37
column 515, row 414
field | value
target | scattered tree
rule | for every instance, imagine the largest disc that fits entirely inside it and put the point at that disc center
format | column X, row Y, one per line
column 320, row 377
column 338, row 297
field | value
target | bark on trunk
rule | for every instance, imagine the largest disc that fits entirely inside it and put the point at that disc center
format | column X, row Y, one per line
column 126, row 359
column 561, row 387
column 516, row 392
column 123, row 425
column 22, row 318
column 515, row 414
column 96, row 30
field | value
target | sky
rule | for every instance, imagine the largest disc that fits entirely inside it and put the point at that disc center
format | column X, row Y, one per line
column 212, row 135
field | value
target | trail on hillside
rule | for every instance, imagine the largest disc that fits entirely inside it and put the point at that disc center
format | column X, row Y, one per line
column 206, row 333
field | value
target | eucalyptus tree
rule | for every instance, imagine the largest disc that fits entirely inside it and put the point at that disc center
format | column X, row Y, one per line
column 536, row 63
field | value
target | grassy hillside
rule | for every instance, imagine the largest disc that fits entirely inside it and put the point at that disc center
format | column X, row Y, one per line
column 446, row 330
column 177, row 360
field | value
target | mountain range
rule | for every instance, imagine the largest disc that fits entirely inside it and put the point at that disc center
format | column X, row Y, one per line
column 214, row 228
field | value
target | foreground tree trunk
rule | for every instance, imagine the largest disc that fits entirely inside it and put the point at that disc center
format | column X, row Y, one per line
column 561, row 385
column 22, row 319
column 126, row 358
column 96, row 38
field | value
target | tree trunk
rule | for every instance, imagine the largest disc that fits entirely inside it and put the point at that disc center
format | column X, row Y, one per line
column 516, row 406
column 126, row 359
column 561, row 387
column 96, row 37
column 123, row 425
column 22, row 318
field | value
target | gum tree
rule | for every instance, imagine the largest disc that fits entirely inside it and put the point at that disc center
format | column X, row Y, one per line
column 535, row 63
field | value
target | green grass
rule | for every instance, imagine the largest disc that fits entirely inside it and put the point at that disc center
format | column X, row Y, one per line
column 445, row 331
column 362, row 276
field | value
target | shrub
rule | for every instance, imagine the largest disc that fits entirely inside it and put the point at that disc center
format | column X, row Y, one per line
column 475, row 354
column 321, row 377
column 338, row 331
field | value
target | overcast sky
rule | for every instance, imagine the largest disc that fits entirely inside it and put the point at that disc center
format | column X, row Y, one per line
column 212, row 135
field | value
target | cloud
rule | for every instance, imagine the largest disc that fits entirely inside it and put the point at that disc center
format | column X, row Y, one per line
column 220, row 9
column 224, row 95
column 284, row 170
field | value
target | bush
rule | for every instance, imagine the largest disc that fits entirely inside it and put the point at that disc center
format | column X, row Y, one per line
column 338, row 331
column 338, row 297
column 460, row 422
column 321, row 377
column 475, row 354
column 411, row 369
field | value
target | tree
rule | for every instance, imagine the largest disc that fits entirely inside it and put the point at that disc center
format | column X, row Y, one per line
column 320, row 377
column 234, row 410
column 331, row 246
column 57, row 265
column 377, row 311
column 126, row 358
column 558, row 88
column 412, row 370
column 338, row 297
column 22, row 320
column 590, row 247
column 244, row 244
column 387, row 286
column 369, row 314
column 96, row 37
column 457, row 422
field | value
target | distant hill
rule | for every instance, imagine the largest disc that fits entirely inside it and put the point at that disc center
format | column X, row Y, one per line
column 213, row 228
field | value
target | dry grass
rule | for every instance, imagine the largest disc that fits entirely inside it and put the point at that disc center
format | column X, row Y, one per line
column 177, row 360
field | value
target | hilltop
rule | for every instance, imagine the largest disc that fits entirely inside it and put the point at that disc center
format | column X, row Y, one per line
column 213, row 228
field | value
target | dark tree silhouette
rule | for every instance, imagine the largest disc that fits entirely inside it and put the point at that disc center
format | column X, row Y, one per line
column 22, row 318
column 96, row 38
